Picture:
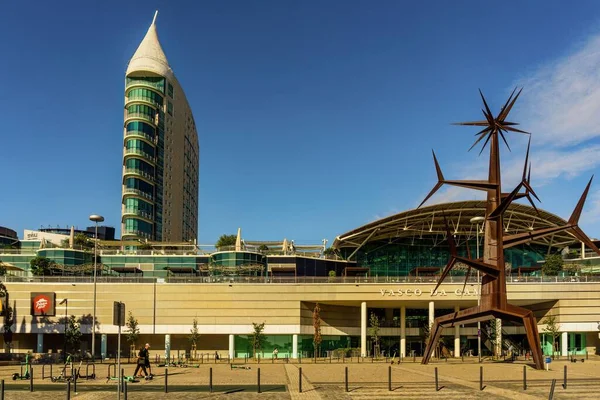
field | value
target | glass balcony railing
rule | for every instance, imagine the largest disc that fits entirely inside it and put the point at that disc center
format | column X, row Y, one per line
column 139, row 193
column 140, row 134
column 135, row 232
column 140, row 213
column 147, row 100
column 160, row 86
column 139, row 152
column 145, row 117
column 139, row 172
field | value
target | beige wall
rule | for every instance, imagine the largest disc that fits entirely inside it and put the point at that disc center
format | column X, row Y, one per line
column 223, row 309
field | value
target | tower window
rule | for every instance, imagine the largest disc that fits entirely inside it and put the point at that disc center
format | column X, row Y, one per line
column 170, row 88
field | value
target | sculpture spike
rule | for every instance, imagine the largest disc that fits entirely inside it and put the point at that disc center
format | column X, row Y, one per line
column 574, row 219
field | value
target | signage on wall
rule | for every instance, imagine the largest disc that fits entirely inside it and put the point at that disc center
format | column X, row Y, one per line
column 43, row 303
column 418, row 292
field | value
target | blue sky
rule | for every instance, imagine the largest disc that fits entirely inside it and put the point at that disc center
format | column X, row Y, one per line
column 314, row 117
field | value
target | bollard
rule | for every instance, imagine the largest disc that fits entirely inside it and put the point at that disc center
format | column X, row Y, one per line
column 2, row 390
column 31, row 378
column 390, row 378
column 480, row 378
column 551, row 394
column 565, row 379
column 258, row 379
column 125, row 391
column 299, row 380
column 166, row 380
column 524, row 377
column 122, row 380
column 346, row 380
column 210, row 387
column 437, row 387
column 68, row 390
column 586, row 355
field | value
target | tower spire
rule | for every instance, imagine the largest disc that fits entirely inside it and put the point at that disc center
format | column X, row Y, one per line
column 155, row 15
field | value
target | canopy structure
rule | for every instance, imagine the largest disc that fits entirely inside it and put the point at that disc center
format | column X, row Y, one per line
column 430, row 222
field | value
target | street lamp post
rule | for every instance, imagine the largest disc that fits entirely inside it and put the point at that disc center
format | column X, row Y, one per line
column 95, row 218
column 477, row 220
column 65, row 301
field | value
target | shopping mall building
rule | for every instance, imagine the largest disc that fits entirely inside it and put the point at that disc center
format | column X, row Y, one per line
column 387, row 268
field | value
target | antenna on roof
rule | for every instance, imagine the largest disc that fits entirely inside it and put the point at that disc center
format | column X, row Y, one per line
column 155, row 15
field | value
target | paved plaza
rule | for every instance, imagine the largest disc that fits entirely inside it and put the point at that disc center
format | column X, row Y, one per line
column 456, row 380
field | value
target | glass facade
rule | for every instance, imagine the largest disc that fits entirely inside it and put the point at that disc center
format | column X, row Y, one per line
column 234, row 259
column 143, row 127
column 145, row 95
column 401, row 257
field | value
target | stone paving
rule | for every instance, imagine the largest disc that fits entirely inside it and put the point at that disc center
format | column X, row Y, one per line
column 367, row 381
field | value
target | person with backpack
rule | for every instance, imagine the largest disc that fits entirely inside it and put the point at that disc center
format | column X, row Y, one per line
column 141, row 361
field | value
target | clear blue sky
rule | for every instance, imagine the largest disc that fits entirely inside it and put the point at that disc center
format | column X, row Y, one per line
column 314, row 117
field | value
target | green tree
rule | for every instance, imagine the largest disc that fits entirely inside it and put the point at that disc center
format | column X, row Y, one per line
column 2, row 269
column 262, row 248
column 73, row 333
column 572, row 269
column 8, row 318
column 552, row 265
column 226, row 240
column 145, row 246
column 41, row 266
column 552, row 328
column 65, row 243
column 317, row 338
column 81, row 240
column 194, row 336
column 257, row 338
column 374, row 332
column 133, row 330
column 329, row 251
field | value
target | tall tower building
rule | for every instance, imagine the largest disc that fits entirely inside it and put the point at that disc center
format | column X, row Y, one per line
column 160, row 150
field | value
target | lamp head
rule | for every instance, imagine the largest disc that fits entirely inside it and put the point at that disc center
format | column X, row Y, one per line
column 96, row 218
column 476, row 220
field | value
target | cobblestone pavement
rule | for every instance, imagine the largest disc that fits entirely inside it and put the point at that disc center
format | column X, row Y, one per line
column 367, row 381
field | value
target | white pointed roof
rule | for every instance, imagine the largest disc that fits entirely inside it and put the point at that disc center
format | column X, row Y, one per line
column 149, row 55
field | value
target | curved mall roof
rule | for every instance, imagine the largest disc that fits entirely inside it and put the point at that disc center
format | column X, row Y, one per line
column 429, row 221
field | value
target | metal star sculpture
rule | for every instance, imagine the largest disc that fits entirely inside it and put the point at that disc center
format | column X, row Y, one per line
column 493, row 302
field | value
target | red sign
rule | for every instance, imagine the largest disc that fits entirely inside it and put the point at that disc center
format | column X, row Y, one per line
column 42, row 304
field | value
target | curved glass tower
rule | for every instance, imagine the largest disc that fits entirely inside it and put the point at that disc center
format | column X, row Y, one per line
column 160, row 150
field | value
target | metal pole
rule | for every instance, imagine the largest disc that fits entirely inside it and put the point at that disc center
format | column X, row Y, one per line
column 2, row 390
column 346, row 379
column 119, row 357
column 551, row 394
column 437, row 387
column 299, row 380
column 390, row 378
column 31, row 378
column 478, row 299
column 210, row 380
column 166, row 380
column 258, row 379
column 565, row 379
column 68, row 390
column 524, row 377
column 94, row 316
column 480, row 378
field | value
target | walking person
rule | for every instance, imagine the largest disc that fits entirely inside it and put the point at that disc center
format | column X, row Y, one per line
column 147, row 362
column 275, row 353
column 141, row 361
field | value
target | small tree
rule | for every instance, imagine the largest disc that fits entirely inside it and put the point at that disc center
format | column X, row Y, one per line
column 552, row 265
column 81, row 240
column 194, row 336
column 41, row 266
column 257, row 338
column 145, row 246
column 73, row 333
column 317, row 338
column 572, row 269
column 133, row 331
column 552, row 328
column 263, row 248
column 374, row 331
column 226, row 240
column 8, row 318
column 332, row 275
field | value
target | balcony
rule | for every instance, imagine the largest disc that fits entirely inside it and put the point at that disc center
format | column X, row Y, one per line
column 138, row 134
column 139, row 152
column 136, row 233
column 142, row 116
column 158, row 86
column 138, row 172
column 137, row 192
column 129, row 211
column 143, row 99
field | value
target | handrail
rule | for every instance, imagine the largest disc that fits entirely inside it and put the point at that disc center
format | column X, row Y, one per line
column 139, row 172
column 139, row 152
column 135, row 211
column 140, row 133
column 138, row 192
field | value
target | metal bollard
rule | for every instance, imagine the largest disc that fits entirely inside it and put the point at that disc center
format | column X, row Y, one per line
column 299, row 380
column 480, row 378
column 210, row 386
column 524, row 377
column 122, row 380
column 258, row 379
column 125, row 391
column 390, row 378
column 68, row 390
column 2, row 390
column 551, row 394
column 437, row 387
column 31, row 378
column 166, row 380
column 565, row 379
column 346, row 379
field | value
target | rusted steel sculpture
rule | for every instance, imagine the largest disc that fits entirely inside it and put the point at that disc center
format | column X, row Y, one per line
column 493, row 302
